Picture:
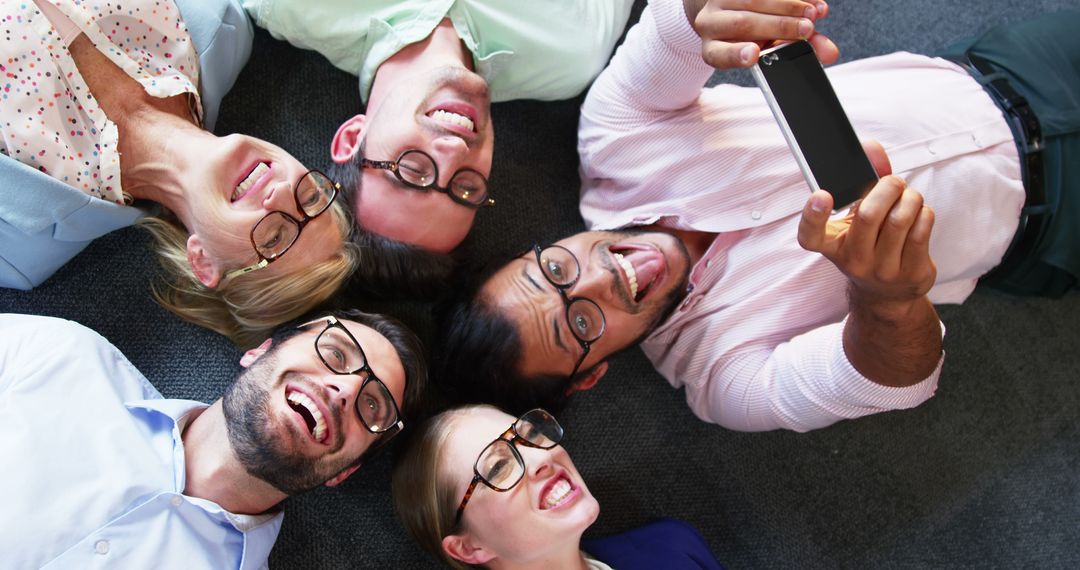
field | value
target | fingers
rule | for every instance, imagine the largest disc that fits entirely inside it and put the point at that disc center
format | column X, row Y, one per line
column 876, row 153
column 730, row 28
column 868, row 217
column 813, row 225
column 916, row 256
column 826, row 50
column 895, row 233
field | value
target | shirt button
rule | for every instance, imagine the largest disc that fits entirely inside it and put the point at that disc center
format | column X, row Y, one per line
column 101, row 547
column 177, row 501
column 756, row 214
column 930, row 149
column 708, row 263
column 976, row 140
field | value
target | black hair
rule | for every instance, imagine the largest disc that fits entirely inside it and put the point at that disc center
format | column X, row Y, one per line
column 477, row 358
column 389, row 268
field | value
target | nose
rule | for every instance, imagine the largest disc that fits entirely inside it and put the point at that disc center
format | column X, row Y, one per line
column 344, row 389
column 279, row 196
column 597, row 281
column 538, row 462
column 449, row 152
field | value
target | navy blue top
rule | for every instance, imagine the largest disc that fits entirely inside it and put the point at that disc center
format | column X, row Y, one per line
column 664, row 543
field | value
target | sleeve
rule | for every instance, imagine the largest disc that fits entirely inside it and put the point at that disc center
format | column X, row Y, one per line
column 44, row 223
column 803, row 384
column 337, row 29
column 47, row 349
column 657, row 69
column 222, row 36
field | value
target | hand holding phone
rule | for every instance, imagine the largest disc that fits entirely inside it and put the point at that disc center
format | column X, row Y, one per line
column 813, row 123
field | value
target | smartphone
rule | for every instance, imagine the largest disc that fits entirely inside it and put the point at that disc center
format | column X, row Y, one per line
column 818, row 132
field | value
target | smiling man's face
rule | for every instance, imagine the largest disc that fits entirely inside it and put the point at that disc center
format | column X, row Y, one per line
column 636, row 279
column 292, row 422
column 447, row 115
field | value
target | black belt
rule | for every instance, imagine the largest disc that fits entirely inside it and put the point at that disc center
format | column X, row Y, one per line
column 1025, row 128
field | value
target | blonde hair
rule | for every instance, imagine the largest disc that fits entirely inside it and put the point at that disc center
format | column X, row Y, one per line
column 425, row 502
column 248, row 307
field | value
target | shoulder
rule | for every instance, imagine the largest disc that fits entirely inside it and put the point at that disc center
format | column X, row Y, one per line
column 66, row 356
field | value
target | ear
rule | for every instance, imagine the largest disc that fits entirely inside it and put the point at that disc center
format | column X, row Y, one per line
column 252, row 355
column 347, row 139
column 589, row 381
column 462, row 547
column 342, row 476
column 202, row 264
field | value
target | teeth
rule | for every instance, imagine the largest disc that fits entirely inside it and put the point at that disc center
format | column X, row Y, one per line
column 320, row 424
column 631, row 275
column 558, row 492
column 453, row 119
column 248, row 182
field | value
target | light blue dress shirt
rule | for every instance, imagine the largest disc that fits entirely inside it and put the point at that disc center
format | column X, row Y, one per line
column 93, row 463
column 524, row 49
column 44, row 222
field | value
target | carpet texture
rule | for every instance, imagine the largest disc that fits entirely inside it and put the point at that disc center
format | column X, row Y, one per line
column 983, row 475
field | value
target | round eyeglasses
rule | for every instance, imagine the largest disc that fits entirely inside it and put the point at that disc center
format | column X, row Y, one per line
column 500, row 465
column 342, row 354
column 277, row 231
column 583, row 316
column 416, row 169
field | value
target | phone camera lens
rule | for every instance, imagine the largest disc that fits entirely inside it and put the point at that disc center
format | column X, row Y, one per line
column 769, row 58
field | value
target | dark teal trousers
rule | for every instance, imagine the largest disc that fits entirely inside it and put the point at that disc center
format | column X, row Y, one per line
column 1041, row 59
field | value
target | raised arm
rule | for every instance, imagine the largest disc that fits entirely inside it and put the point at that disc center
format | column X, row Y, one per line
column 892, row 335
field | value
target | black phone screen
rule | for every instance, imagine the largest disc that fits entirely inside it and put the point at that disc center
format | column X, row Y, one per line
column 817, row 122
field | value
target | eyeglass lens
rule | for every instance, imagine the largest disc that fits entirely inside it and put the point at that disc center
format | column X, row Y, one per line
column 343, row 356
column 500, row 465
column 277, row 231
column 562, row 270
column 419, row 169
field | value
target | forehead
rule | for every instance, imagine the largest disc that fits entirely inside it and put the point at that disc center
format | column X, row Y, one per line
column 385, row 207
column 469, row 433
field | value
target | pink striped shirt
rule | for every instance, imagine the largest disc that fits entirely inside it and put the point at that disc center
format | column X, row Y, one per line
column 758, row 341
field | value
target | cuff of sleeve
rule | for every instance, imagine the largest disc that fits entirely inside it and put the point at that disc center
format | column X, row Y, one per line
column 862, row 391
column 674, row 28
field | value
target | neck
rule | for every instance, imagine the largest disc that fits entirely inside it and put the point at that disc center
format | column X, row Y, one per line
column 442, row 48
column 146, row 126
column 152, row 165
column 213, row 471
column 570, row 558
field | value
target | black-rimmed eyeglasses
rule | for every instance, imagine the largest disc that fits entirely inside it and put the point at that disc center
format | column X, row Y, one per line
column 583, row 316
column 277, row 231
column 416, row 169
column 500, row 465
column 342, row 354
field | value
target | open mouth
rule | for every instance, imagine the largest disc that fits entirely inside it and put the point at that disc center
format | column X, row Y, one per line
column 306, row 408
column 641, row 265
column 250, row 181
column 449, row 118
column 557, row 493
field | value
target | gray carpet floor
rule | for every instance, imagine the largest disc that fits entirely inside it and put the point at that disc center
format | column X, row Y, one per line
column 983, row 475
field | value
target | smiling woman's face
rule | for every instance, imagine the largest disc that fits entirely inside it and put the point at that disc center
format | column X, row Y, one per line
column 244, row 179
column 544, row 514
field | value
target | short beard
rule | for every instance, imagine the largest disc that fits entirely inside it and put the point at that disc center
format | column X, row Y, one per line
column 246, row 405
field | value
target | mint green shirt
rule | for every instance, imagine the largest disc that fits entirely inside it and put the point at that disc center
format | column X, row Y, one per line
column 525, row 49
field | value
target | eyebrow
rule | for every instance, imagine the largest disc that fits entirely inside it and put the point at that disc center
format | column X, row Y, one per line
column 554, row 320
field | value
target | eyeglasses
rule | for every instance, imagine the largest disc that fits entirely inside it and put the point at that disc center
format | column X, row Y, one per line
column 342, row 354
column 416, row 169
column 277, row 231
column 583, row 316
column 500, row 465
